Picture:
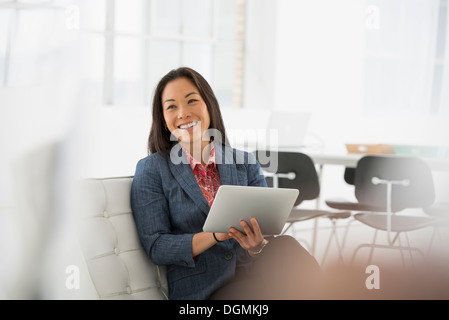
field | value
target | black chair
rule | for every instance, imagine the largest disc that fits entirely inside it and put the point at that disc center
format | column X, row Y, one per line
column 297, row 170
column 384, row 186
column 344, row 204
column 349, row 175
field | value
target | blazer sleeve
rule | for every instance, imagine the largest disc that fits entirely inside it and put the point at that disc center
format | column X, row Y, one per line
column 255, row 173
column 151, row 213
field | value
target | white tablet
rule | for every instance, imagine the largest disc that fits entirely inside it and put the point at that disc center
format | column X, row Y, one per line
column 270, row 206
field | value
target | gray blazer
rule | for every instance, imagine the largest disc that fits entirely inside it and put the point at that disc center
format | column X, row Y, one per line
column 169, row 208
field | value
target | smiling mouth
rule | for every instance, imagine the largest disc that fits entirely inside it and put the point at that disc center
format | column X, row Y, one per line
column 189, row 125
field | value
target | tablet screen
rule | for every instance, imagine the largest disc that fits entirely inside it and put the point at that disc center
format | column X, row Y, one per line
column 270, row 206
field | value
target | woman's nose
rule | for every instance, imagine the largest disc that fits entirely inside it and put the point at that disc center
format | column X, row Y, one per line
column 183, row 112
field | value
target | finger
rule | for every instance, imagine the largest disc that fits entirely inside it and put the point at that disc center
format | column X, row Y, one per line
column 254, row 236
column 256, row 228
column 239, row 237
column 236, row 233
column 246, row 228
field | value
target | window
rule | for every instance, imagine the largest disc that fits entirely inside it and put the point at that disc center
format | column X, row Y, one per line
column 405, row 56
column 34, row 44
column 441, row 67
column 133, row 43
column 126, row 45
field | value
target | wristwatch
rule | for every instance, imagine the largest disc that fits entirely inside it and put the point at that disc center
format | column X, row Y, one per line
column 260, row 250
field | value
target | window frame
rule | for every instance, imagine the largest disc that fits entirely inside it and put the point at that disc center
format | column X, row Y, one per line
column 110, row 36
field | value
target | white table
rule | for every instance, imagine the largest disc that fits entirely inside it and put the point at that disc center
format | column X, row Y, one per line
column 350, row 160
column 347, row 160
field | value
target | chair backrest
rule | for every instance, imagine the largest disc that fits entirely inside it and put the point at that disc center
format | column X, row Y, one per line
column 418, row 193
column 349, row 175
column 306, row 177
column 116, row 261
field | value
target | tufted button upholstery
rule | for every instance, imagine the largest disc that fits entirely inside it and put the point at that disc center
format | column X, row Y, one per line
column 116, row 260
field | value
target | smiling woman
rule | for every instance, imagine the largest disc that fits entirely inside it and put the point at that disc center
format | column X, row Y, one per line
column 186, row 115
column 171, row 199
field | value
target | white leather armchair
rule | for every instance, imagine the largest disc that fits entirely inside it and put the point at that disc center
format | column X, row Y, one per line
column 116, row 260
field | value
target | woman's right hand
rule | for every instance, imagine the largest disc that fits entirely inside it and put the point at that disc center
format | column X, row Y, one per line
column 252, row 240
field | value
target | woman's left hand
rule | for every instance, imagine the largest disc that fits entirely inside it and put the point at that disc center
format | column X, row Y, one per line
column 252, row 240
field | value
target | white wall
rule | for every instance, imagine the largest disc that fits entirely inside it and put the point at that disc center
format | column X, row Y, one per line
column 319, row 55
column 319, row 69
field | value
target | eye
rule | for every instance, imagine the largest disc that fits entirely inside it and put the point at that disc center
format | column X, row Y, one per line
column 192, row 100
column 171, row 107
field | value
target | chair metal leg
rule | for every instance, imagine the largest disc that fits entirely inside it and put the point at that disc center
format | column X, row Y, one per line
column 400, row 245
column 334, row 236
column 409, row 251
column 382, row 246
column 341, row 246
column 326, row 251
column 370, row 258
column 346, row 232
column 435, row 233
column 408, row 248
column 391, row 245
column 337, row 242
column 303, row 241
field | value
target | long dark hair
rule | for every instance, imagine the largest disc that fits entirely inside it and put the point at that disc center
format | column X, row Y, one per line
column 159, row 138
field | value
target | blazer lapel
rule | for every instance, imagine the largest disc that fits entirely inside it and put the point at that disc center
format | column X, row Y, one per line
column 183, row 174
column 224, row 158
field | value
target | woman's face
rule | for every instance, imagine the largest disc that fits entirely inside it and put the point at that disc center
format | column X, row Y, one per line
column 185, row 112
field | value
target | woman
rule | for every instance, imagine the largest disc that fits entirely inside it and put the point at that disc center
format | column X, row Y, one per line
column 174, row 187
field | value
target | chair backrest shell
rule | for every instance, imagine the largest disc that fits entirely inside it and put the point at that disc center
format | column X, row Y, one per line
column 306, row 177
column 419, row 192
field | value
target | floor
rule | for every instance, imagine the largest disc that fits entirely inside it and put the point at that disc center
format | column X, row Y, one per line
column 402, row 274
